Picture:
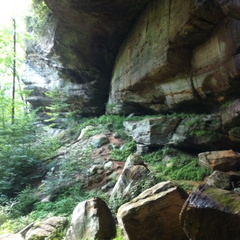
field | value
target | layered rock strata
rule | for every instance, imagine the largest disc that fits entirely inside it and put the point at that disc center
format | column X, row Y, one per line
column 178, row 55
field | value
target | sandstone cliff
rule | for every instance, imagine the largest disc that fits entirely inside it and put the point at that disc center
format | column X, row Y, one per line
column 138, row 56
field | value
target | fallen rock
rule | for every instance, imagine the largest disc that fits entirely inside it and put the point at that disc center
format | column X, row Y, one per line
column 154, row 214
column 200, row 132
column 99, row 140
column 92, row 219
column 231, row 114
column 224, row 161
column 46, row 228
column 133, row 172
column 211, row 213
column 152, row 131
column 220, row 179
column 9, row 236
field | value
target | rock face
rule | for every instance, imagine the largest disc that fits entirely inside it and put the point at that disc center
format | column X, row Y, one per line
column 77, row 51
column 44, row 229
column 209, row 208
column 193, row 132
column 92, row 219
column 157, row 55
column 154, row 214
column 224, row 161
column 178, row 54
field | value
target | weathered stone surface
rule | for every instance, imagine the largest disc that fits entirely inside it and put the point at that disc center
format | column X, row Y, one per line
column 9, row 236
column 92, row 219
column 133, row 172
column 45, row 228
column 231, row 114
column 78, row 49
column 230, row 7
column 224, row 161
column 152, row 131
column 219, row 179
column 154, row 214
column 200, row 132
column 99, row 140
column 211, row 213
column 158, row 48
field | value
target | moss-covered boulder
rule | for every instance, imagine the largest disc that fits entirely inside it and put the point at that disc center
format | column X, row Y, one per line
column 211, row 213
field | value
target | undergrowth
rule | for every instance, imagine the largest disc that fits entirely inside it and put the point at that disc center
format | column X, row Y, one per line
column 169, row 164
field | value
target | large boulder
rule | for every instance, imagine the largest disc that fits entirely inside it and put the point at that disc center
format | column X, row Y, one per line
column 220, row 179
column 50, row 227
column 226, row 160
column 152, row 131
column 200, row 132
column 193, row 132
column 230, row 114
column 211, row 213
column 92, row 219
column 154, row 214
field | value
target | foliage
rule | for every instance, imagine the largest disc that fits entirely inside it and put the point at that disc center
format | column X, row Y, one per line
column 62, row 174
column 21, row 148
column 124, row 152
column 119, row 235
column 24, row 202
column 38, row 21
column 170, row 164
column 198, row 127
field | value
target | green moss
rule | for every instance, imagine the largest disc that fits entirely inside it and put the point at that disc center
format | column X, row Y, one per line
column 178, row 166
column 226, row 199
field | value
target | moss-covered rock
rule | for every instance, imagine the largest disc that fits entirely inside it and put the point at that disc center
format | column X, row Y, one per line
column 211, row 213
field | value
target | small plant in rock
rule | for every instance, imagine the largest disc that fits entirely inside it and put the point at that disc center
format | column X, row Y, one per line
column 119, row 235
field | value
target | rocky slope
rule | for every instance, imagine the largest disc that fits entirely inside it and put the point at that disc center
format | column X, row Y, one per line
column 140, row 57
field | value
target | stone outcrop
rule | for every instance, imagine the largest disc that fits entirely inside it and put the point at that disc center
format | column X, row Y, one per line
column 77, row 51
column 178, row 55
column 154, row 214
column 152, row 131
column 211, row 213
column 193, row 132
column 46, row 228
column 156, row 55
column 230, row 114
column 92, row 219
column 224, row 161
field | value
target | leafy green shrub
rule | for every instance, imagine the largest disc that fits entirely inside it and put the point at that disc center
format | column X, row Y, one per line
column 24, row 202
column 63, row 204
